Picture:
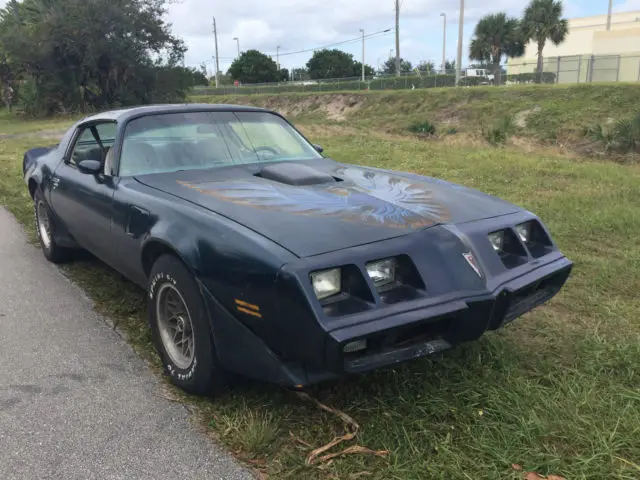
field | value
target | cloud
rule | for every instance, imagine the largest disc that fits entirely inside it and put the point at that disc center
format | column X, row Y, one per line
column 627, row 6
column 301, row 24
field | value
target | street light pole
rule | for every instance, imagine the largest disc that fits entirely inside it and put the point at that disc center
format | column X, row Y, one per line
column 217, row 66
column 238, row 43
column 609, row 15
column 444, row 41
column 362, row 31
column 398, row 38
column 460, row 32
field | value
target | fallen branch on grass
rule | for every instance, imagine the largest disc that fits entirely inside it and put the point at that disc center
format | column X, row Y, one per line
column 352, row 427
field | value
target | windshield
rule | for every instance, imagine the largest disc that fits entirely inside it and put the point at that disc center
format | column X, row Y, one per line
column 198, row 140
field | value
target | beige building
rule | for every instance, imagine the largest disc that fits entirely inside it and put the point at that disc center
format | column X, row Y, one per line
column 590, row 53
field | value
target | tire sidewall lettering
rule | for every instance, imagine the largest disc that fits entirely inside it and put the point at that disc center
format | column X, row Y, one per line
column 182, row 374
column 157, row 280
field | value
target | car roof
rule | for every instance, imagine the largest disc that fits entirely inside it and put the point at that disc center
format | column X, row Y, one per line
column 125, row 114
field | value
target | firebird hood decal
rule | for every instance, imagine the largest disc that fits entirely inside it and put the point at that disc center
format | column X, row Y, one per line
column 364, row 206
column 372, row 199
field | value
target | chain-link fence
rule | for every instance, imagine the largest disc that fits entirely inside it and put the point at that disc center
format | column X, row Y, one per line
column 567, row 69
column 586, row 68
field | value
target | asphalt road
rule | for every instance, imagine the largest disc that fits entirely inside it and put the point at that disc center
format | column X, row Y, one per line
column 75, row 401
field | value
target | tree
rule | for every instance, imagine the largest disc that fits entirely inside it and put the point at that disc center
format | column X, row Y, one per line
column 357, row 70
column 426, row 67
column 283, row 75
column 449, row 65
column 223, row 79
column 543, row 22
column 494, row 37
column 199, row 75
column 389, row 66
column 68, row 63
column 299, row 74
column 253, row 66
column 330, row 64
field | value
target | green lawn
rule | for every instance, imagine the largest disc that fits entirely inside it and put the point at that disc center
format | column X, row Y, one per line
column 13, row 125
column 557, row 392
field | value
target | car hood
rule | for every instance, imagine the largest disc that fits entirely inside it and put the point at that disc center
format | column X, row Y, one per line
column 318, row 206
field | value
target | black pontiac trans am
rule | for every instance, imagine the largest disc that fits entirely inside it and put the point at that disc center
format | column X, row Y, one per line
column 262, row 257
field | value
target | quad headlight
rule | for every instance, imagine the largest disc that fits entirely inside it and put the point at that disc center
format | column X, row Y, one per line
column 497, row 241
column 382, row 272
column 524, row 231
column 326, row 282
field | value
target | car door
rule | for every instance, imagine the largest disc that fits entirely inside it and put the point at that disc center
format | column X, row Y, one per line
column 84, row 201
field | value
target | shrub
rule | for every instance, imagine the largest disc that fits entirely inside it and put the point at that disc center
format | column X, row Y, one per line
column 498, row 133
column 626, row 134
column 623, row 137
column 424, row 128
column 531, row 77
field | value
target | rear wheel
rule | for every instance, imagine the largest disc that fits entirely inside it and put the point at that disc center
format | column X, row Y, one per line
column 46, row 229
column 180, row 328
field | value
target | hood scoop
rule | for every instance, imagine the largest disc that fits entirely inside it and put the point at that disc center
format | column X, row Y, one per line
column 295, row 174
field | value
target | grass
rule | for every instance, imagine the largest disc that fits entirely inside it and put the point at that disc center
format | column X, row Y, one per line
column 551, row 114
column 12, row 124
column 557, row 392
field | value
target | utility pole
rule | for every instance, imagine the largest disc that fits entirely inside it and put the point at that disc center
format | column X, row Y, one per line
column 238, row 43
column 362, row 31
column 217, row 65
column 278, row 57
column 398, row 38
column 460, row 32
column 609, row 15
column 444, row 41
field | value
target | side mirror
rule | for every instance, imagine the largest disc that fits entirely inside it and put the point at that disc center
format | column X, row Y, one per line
column 92, row 167
column 318, row 148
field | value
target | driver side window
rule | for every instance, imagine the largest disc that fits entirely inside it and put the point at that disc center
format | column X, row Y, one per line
column 86, row 145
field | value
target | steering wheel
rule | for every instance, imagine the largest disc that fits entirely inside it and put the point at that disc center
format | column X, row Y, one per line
column 267, row 149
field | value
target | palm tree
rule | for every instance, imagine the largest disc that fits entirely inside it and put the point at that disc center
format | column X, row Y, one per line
column 496, row 36
column 543, row 21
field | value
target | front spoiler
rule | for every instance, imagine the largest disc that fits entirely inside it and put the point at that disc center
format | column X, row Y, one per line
column 392, row 339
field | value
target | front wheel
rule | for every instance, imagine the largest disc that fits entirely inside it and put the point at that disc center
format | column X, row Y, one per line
column 180, row 328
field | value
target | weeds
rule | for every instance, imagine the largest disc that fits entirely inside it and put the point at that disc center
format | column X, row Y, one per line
column 423, row 128
column 623, row 137
column 253, row 432
column 499, row 133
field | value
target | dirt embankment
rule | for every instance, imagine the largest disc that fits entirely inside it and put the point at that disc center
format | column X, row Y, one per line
column 547, row 115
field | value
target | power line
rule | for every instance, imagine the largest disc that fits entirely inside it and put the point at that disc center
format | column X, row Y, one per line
column 353, row 40
column 380, row 33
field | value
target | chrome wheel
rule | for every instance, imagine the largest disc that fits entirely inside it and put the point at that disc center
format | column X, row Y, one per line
column 44, row 226
column 175, row 327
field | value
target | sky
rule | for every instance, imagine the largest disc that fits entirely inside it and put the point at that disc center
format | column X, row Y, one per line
column 296, row 25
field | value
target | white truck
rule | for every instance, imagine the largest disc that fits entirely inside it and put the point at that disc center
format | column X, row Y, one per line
column 480, row 72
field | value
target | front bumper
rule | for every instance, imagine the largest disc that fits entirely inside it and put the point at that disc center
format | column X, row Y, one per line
column 392, row 339
column 441, row 326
